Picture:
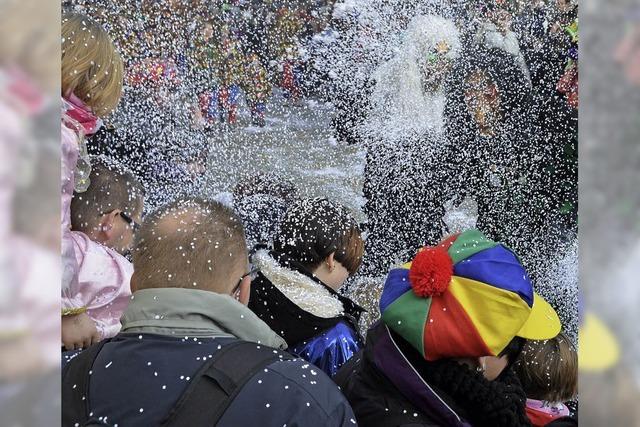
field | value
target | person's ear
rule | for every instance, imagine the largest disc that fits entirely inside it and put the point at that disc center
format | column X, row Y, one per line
column 105, row 228
column 244, row 290
column 331, row 262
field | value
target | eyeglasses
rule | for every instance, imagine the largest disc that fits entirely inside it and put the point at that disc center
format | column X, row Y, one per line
column 134, row 225
column 251, row 274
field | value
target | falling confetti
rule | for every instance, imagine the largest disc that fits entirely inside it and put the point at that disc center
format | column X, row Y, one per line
column 421, row 118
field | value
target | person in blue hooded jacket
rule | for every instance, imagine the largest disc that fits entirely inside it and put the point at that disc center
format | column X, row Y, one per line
column 317, row 247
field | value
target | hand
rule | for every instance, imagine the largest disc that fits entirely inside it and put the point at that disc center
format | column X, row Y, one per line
column 79, row 331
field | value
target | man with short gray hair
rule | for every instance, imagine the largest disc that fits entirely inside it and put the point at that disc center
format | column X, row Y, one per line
column 191, row 244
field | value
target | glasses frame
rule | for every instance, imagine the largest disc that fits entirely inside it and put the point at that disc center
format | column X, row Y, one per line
column 130, row 221
column 252, row 274
column 134, row 225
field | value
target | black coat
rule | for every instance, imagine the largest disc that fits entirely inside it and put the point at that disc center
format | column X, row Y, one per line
column 557, row 122
column 388, row 384
column 374, row 399
column 161, row 367
column 288, row 320
column 495, row 172
column 517, row 175
column 564, row 422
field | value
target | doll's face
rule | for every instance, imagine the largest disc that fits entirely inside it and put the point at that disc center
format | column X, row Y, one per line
column 435, row 67
column 482, row 99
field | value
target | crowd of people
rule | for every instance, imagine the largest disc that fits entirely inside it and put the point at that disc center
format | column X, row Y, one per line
column 468, row 118
column 195, row 70
column 482, row 106
column 220, row 49
column 192, row 312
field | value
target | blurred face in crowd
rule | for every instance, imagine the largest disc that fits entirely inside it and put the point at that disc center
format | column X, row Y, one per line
column 502, row 19
column 435, row 67
column 207, row 31
column 482, row 100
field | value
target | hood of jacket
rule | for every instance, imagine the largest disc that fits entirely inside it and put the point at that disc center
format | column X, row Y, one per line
column 196, row 313
column 295, row 303
column 306, row 293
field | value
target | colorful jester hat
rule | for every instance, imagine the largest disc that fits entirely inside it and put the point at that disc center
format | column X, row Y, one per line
column 466, row 297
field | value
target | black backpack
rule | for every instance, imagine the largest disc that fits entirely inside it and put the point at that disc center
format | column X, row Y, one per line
column 211, row 391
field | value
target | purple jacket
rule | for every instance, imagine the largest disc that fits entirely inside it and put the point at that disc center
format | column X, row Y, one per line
column 384, row 389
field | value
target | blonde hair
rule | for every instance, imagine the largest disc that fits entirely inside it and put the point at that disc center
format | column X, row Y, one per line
column 91, row 67
column 548, row 370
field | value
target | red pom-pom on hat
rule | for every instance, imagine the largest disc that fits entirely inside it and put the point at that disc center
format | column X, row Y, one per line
column 431, row 271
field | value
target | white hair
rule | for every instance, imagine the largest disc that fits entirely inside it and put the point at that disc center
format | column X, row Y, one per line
column 399, row 104
column 426, row 31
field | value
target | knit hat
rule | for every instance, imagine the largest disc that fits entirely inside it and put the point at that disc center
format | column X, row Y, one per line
column 466, row 297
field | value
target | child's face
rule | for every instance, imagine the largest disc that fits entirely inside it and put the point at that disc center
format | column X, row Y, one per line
column 336, row 278
column 124, row 239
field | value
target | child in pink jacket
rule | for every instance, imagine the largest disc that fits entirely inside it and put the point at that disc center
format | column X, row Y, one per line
column 103, row 221
column 92, row 79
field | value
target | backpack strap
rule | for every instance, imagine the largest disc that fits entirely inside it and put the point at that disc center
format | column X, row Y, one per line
column 218, row 381
column 75, row 380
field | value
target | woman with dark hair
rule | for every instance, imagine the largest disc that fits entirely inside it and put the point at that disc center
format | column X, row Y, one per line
column 317, row 247
column 454, row 320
